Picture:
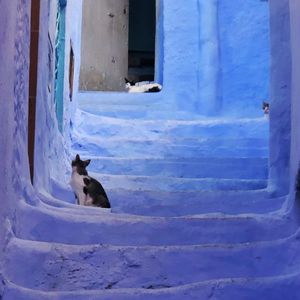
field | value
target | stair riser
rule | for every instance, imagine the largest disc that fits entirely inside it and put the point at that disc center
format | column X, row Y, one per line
column 156, row 203
column 186, row 131
column 275, row 288
column 227, row 168
column 190, row 149
column 114, row 127
column 109, row 229
column 152, row 183
column 167, row 152
column 187, row 208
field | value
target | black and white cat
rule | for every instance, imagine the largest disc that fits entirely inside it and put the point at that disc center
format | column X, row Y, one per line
column 266, row 107
column 88, row 191
column 142, row 87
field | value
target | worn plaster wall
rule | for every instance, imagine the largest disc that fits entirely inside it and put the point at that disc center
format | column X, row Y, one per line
column 49, row 143
column 52, row 157
column 280, row 93
column 73, row 39
column 295, row 91
column 14, row 77
column 209, row 76
column 104, row 49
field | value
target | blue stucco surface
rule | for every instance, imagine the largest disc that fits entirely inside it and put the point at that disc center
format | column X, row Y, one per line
column 244, row 54
column 202, row 191
column 280, row 98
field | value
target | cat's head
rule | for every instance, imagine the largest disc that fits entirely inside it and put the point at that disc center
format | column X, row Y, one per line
column 266, row 107
column 79, row 165
column 128, row 83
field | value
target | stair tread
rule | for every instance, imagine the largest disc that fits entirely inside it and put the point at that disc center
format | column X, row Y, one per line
column 138, row 267
column 198, row 128
column 81, row 115
column 115, row 228
column 272, row 287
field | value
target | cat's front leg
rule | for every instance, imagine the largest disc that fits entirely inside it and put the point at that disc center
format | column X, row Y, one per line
column 76, row 198
column 81, row 198
column 88, row 200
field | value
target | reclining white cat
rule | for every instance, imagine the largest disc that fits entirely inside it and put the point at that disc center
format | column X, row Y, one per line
column 142, row 87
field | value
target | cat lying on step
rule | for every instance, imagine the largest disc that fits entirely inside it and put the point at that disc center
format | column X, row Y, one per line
column 88, row 191
column 143, row 87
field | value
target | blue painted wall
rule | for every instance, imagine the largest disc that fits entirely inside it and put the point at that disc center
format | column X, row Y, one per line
column 280, row 97
column 14, row 78
column 295, row 91
column 52, row 145
column 212, row 58
column 244, row 55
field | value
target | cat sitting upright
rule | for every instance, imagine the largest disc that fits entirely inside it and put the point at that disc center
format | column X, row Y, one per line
column 88, row 191
column 266, row 107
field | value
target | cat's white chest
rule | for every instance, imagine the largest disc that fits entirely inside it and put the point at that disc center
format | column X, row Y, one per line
column 77, row 181
column 77, row 185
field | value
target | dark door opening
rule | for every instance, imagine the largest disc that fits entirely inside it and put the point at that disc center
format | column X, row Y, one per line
column 141, row 52
column 60, row 61
column 71, row 72
column 34, row 42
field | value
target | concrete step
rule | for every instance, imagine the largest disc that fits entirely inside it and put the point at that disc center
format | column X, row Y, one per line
column 51, row 224
column 175, row 204
column 169, row 148
column 204, row 128
column 162, row 183
column 100, row 267
column 221, row 168
column 272, row 287
column 137, row 105
column 169, row 203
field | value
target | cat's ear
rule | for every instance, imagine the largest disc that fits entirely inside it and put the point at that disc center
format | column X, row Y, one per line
column 77, row 157
column 87, row 162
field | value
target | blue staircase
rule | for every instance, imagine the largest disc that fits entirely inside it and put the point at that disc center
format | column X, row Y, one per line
column 191, row 218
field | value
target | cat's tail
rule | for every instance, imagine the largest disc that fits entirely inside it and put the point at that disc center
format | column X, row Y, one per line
column 102, row 201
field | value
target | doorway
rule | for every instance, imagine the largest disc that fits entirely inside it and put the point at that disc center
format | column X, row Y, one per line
column 34, row 43
column 141, row 48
